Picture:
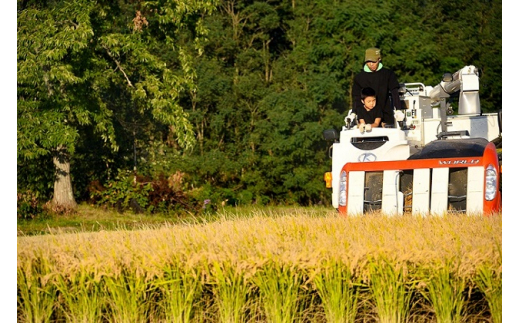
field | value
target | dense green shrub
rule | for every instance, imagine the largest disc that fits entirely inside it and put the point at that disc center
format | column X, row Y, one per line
column 160, row 194
column 124, row 193
column 28, row 205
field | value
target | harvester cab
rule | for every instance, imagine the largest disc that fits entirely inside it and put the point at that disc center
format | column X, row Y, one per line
column 430, row 162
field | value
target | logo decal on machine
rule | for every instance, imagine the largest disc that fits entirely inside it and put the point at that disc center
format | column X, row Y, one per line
column 457, row 162
column 366, row 157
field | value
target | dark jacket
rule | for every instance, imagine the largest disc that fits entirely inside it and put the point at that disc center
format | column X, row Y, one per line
column 385, row 83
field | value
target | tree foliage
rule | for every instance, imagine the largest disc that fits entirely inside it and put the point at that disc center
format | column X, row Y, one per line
column 235, row 93
column 91, row 67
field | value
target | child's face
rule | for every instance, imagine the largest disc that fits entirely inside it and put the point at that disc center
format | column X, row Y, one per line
column 369, row 102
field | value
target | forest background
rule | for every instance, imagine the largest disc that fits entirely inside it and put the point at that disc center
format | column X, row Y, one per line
column 215, row 101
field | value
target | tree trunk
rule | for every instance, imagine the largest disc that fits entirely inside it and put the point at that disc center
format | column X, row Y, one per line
column 63, row 200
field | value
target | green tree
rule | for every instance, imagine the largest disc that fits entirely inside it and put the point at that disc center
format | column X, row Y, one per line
column 78, row 60
column 425, row 39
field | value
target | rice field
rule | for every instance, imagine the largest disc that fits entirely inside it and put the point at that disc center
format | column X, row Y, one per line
column 294, row 266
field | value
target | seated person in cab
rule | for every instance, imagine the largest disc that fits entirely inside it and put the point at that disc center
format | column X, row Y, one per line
column 370, row 115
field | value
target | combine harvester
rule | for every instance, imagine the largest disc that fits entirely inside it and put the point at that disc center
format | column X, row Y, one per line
column 429, row 162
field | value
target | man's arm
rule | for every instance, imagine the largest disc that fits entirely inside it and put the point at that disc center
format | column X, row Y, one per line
column 394, row 91
column 395, row 99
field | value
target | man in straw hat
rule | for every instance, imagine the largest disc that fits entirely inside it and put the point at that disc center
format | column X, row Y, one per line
column 383, row 81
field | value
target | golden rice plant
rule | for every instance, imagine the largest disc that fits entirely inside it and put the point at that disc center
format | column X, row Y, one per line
column 391, row 289
column 232, row 292
column 265, row 263
column 83, row 297
column 281, row 295
column 338, row 289
column 489, row 282
column 181, row 288
column 37, row 294
column 128, row 297
column 446, row 292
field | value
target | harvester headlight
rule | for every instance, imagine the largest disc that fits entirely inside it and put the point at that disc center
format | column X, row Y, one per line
column 343, row 188
column 491, row 183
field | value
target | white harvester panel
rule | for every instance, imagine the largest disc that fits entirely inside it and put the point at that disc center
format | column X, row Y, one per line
column 440, row 179
column 356, row 192
column 421, row 191
column 475, row 195
column 391, row 204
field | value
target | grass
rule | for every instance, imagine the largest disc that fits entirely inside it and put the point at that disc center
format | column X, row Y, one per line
column 280, row 292
column 93, row 219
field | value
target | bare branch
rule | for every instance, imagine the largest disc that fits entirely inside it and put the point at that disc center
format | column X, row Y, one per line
column 119, row 66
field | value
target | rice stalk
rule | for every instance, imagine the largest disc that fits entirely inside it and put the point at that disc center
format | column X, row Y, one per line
column 181, row 289
column 489, row 282
column 280, row 288
column 127, row 297
column 445, row 291
column 339, row 292
column 37, row 295
column 232, row 292
column 82, row 296
column 391, row 290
